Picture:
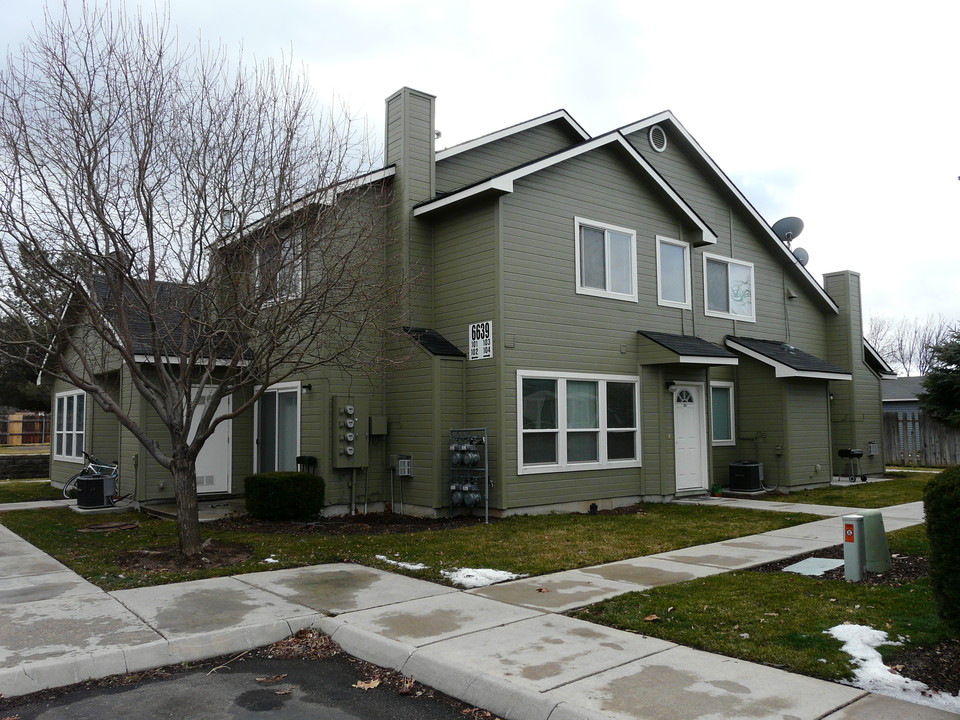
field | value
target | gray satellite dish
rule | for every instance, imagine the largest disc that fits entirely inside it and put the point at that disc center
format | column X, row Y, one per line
column 788, row 228
column 802, row 256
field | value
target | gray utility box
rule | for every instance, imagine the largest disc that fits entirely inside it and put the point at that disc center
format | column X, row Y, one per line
column 746, row 476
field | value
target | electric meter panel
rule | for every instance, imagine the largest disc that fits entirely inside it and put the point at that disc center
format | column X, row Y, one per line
column 351, row 435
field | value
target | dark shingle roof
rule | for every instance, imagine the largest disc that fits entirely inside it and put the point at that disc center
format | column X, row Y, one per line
column 433, row 342
column 788, row 355
column 687, row 345
column 901, row 388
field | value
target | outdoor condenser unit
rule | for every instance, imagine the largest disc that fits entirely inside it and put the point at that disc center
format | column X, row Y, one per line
column 746, row 476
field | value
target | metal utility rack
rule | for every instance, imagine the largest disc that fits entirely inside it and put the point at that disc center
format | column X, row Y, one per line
column 469, row 469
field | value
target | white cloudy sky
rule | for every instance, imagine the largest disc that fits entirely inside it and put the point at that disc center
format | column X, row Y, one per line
column 844, row 113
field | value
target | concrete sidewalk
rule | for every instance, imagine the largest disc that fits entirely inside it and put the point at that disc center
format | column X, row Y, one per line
column 502, row 647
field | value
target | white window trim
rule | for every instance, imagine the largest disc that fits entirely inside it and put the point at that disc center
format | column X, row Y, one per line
column 687, row 285
column 78, row 458
column 753, row 287
column 733, row 414
column 291, row 385
column 563, row 465
column 579, row 222
column 299, row 265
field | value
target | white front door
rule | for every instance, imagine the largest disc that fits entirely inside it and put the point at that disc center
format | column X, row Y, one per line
column 213, row 462
column 690, row 437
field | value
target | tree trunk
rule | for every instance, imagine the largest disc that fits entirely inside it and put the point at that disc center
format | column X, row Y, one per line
column 188, row 517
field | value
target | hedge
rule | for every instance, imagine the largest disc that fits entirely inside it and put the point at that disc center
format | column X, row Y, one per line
column 941, row 502
column 284, row 495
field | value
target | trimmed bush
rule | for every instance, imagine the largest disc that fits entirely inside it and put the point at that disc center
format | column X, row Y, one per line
column 284, row 495
column 941, row 501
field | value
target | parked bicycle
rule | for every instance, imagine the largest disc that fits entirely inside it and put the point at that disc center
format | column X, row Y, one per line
column 92, row 467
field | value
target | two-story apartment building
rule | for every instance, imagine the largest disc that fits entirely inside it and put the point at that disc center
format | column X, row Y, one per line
column 609, row 313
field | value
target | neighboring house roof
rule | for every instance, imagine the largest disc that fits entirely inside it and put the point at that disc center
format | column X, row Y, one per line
column 668, row 117
column 503, row 182
column 433, row 342
column 876, row 362
column 786, row 360
column 901, row 389
column 561, row 116
column 685, row 349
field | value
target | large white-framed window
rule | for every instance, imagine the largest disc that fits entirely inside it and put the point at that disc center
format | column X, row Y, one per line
column 69, row 425
column 278, row 428
column 576, row 421
column 673, row 273
column 606, row 260
column 280, row 267
column 728, row 288
column 722, row 415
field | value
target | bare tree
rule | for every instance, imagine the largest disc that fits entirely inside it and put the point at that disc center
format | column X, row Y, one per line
column 192, row 221
column 907, row 343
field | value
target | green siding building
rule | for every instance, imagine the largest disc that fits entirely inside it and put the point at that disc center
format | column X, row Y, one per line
column 609, row 313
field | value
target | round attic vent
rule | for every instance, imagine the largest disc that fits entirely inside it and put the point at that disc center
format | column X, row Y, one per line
column 658, row 138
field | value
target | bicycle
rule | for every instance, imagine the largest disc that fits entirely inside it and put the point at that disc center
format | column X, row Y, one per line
column 93, row 467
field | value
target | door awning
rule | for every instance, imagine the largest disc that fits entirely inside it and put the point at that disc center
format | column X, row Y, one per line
column 787, row 360
column 658, row 348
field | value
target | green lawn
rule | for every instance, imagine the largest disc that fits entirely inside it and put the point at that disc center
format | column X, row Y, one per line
column 43, row 449
column 901, row 488
column 780, row 618
column 13, row 491
column 526, row 544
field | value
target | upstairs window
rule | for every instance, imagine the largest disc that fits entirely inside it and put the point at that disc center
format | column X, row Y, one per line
column 606, row 260
column 68, row 429
column 729, row 288
column 280, row 267
column 673, row 273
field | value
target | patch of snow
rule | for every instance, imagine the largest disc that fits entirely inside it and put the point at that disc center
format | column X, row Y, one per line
column 404, row 565
column 860, row 642
column 270, row 559
column 474, row 578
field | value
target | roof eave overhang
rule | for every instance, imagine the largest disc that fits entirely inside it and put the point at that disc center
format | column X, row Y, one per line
column 785, row 371
column 561, row 115
column 655, row 353
column 789, row 257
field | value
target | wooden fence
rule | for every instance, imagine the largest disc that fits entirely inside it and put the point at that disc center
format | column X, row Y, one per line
column 24, row 428
column 914, row 438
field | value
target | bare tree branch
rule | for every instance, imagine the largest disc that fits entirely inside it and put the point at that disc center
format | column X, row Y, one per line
column 184, row 217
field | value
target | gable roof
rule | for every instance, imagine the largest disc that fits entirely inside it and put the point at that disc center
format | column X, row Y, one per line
column 561, row 116
column 685, row 349
column 901, row 389
column 668, row 117
column 503, row 183
column 786, row 360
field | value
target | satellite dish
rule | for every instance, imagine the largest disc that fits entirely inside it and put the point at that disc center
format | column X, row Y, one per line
column 788, row 228
column 802, row 256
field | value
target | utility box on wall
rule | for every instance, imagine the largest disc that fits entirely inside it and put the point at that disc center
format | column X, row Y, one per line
column 351, row 431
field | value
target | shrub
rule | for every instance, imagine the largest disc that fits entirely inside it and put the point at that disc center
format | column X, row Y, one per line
column 284, row 495
column 941, row 502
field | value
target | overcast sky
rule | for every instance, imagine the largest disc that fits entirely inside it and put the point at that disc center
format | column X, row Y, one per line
column 842, row 113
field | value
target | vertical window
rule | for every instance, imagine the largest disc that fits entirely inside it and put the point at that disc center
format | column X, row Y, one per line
column 673, row 273
column 722, row 415
column 729, row 288
column 280, row 267
column 575, row 421
column 606, row 260
column 69, row 426
column 278, row 428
